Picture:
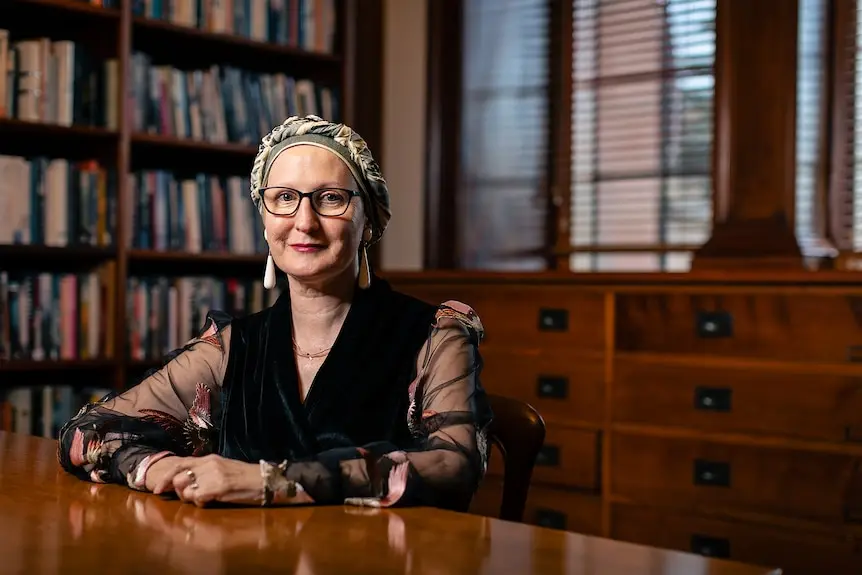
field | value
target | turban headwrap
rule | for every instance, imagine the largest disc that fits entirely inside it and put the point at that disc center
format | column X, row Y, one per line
column 341, row 140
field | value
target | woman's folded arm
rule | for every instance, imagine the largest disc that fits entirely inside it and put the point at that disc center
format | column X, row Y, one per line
column 169, row 412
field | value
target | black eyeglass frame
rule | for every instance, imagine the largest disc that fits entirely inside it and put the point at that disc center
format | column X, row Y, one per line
column 310, row 196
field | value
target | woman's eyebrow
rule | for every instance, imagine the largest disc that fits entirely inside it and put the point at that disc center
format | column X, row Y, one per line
column 321, row 185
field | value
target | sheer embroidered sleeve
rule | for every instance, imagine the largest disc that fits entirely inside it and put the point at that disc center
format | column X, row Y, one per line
column 169, row 412
column 448, row 418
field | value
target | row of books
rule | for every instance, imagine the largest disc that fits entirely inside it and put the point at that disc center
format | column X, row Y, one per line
column 47, row 316
column 42, row 410
column 57, row 82
column 221, row 104
column 306, row 24
column 193, row 214
column 56, row 202
column 50, row 317
column 164, row 313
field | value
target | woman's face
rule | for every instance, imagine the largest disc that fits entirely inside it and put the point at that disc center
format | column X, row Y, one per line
column 307, row 246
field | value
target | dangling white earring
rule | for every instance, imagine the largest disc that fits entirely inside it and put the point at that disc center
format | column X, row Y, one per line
column 364, row 264
column 269, row 272
column 364, row 268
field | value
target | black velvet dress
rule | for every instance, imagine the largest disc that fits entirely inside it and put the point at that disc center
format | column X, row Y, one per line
column 399, row 391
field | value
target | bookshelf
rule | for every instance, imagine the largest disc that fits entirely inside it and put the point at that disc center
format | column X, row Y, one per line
column 138, row 119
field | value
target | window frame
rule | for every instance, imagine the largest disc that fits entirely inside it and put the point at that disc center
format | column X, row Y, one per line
column 836, row 173
column 444, row 89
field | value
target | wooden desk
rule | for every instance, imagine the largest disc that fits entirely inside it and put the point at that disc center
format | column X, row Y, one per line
column 54, row 523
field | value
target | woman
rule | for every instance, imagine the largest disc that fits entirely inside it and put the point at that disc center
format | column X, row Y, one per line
column 344, row 391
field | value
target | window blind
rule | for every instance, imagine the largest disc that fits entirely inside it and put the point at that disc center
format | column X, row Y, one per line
column 504, row 147
column 810, row 129
column 642, row 133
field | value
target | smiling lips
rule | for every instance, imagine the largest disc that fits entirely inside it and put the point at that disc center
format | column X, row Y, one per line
column 307, row 248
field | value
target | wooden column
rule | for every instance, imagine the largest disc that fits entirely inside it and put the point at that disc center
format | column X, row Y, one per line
column 362, row 50
column 755, row 143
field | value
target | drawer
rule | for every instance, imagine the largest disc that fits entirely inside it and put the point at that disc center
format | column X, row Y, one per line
column 795, row 327
column 546, row 507
column 569, row 458
column 793, row 551
column 565, row 510
column 695, row 474
column 529, row 316
column 560, row 388
column 744, row 400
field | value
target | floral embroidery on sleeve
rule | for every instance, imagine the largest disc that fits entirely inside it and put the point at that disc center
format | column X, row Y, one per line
column 169, row 411
column 196, row 433
column 463, row 313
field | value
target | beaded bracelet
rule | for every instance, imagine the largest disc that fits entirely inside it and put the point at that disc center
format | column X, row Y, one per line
column 276, row 486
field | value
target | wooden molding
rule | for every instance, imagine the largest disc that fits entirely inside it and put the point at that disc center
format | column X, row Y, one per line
column 755, row 143
column 443, row 133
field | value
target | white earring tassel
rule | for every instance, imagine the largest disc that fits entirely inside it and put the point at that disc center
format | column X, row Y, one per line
column 269, row 273
column 364, row 269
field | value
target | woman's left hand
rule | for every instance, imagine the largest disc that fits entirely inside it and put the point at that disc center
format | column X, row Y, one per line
column 200, row 480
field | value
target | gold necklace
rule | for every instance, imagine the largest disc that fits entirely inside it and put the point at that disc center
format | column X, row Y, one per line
column 314, row 355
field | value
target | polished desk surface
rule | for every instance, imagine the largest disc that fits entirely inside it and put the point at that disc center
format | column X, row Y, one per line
column 51, row 522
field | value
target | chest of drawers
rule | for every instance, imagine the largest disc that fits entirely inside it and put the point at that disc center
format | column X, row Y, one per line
column 714, row 415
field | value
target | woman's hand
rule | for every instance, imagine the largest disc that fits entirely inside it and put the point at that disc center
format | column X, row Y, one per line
column 200, row 480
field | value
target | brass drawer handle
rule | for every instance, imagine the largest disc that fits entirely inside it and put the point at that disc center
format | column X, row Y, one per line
column 549, row 456
column 553, row 319
column 710, row 546
column 714, row 324
column 713, row 398
column 552, row 387
column 711, row 473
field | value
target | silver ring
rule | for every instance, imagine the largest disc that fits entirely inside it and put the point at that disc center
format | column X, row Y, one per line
column 193, row 486
column 191, row 475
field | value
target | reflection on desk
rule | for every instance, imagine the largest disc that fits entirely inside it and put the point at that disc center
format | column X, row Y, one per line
column 54, row 523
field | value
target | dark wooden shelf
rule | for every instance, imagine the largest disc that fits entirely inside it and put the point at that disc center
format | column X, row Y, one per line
column 19, row 137
column 68, row 6
column 155, row 151
column 203, row 257
column 204, row 39
column 95, row 28
column 15, row 256
column 26, row 365
column 172, row 142
column 13, row 126
column 225, row 265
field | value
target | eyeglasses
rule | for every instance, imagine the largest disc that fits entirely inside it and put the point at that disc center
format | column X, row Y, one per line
column 327, row 202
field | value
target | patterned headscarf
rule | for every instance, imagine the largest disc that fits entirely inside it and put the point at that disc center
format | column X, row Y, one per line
column 345, row 143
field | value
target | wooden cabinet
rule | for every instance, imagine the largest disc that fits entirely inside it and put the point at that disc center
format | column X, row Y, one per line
column 711, row 415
